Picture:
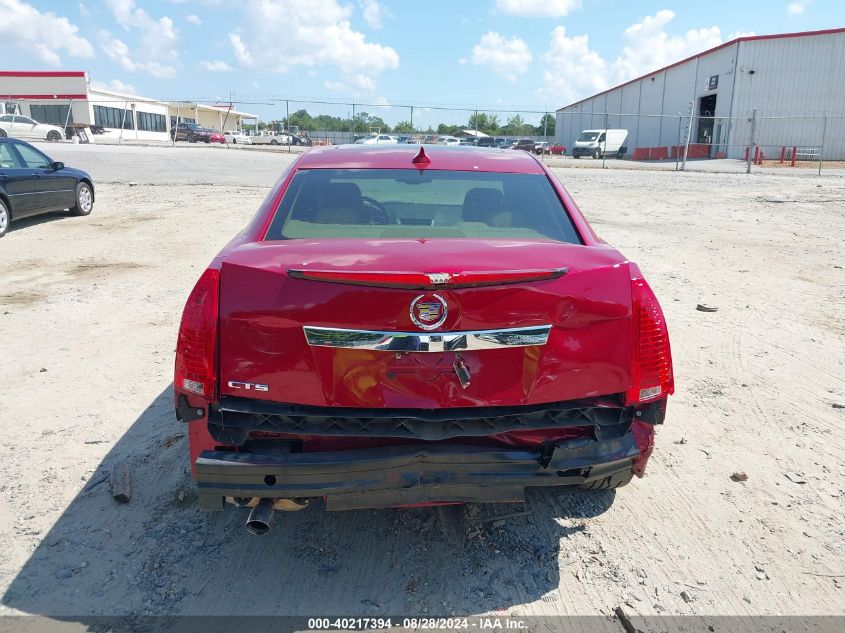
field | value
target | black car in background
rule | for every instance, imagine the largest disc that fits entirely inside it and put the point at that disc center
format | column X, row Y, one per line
column 525, row 144
column 190, row 132
column 31, row 182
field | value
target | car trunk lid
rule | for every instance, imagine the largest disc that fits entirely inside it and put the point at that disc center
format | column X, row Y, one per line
column 272, row 291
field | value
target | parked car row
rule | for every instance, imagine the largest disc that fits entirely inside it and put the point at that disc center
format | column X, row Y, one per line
column 536, row 147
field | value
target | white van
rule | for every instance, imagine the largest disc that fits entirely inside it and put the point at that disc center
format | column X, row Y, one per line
column 598, row 143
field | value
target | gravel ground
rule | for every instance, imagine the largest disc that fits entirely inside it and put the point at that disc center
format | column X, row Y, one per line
column 89, row 309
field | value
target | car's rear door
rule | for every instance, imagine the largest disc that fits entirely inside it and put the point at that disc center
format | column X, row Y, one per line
column 54, row 189
column 17, row 180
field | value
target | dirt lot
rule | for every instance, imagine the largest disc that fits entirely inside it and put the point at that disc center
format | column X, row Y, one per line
column 88, row 314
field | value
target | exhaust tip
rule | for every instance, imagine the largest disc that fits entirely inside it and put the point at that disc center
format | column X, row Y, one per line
column 260, row 518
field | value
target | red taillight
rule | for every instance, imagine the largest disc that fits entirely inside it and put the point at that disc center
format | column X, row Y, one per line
column 428, row 281
column 196, row 349
column 651, row 371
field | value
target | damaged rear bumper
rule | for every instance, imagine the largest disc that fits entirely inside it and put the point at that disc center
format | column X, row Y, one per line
column 409, row 474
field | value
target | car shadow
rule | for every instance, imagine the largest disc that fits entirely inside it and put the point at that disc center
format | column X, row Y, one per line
column 35, row 220
column 161, row 554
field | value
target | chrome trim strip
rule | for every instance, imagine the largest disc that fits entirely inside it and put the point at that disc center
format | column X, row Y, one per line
column 426, row 342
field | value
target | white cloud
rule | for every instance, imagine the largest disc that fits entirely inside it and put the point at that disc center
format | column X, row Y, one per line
column 508, row 58
column 372, row 13
column 42, row 35
column 84, row 11
column 572, row 70
column 193, row 19
column 114, row 84
column 354, row 84
column 797, row 8
column 216, row 66
column 648, row 47
column 157, row 52
column 538, row 8
column 286, row 34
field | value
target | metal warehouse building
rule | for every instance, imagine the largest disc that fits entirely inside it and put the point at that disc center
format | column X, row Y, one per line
column 767, row 91
column 66, row 97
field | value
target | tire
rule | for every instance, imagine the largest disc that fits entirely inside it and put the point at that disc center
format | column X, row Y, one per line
column 616, row 480
column 84, row 199
column 274, row 142
column 5, row 217
column 596, row 154
column 234, row 141
column 54, row 136
column 191, row 139
column 2, row 133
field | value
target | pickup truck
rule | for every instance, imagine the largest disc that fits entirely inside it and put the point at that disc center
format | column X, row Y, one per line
column 270, row 138
column 406, row 325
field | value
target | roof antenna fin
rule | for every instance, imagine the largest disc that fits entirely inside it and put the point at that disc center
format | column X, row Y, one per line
column 422, row 158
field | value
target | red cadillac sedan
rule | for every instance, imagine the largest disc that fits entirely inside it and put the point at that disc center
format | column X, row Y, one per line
column 400, row 325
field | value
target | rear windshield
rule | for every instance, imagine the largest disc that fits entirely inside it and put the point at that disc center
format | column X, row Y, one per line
column 404, row 203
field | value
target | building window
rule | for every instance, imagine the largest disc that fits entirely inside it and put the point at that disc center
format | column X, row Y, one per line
column 52, row 114
column 149, row 122
column 113, row 117
column 182, row 119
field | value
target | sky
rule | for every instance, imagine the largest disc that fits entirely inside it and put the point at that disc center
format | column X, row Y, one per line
column 508, row 55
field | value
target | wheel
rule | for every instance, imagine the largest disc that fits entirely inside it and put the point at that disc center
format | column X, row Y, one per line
column 2, row 133
column 234, row 141
column 84, row 199
column 5, row 218
column 616, row 480
column 596, row 154
column 191, row 138
column 274, row 142
column 53, row 136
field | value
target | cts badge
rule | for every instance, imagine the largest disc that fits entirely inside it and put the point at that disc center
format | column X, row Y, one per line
column 248, row 386
column 428, row 311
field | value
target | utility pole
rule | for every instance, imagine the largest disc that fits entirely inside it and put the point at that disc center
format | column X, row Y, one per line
column 545, row 137
column 412, row 120
column 677, row 153
column 604, row 147
column 821, row 150
column 287, row 123
column 689, row 133
column 751, row 143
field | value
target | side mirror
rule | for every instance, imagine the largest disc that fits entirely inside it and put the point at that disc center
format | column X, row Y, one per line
column 57, row 166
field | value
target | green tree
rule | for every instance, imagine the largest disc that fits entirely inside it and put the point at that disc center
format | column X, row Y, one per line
column 547, row 120
column 300, row 119
column 403, row 127
column 483, row 122
column 448, row 129
column 364, row 121
column 515, row 126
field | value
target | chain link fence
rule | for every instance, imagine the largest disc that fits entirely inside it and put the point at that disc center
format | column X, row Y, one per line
column 682, row 141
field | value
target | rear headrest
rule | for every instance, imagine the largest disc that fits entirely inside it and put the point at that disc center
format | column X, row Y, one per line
column 342, row 195
column 482, row 203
